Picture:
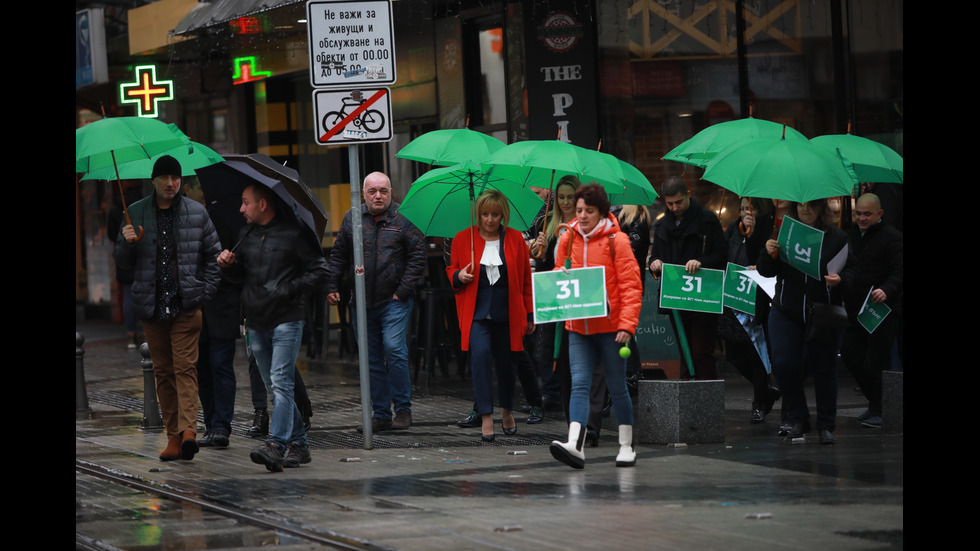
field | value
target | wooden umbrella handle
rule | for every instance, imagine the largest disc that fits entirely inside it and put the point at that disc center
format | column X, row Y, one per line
column 122, row 197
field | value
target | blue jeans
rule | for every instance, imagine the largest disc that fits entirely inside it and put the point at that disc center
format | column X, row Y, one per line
column 216, row 383
column 791, row 356
column 584, row 351
column 391, row 379
column 275, row 353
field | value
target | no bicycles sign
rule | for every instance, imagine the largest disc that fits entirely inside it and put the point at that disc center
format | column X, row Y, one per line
column 352, row 116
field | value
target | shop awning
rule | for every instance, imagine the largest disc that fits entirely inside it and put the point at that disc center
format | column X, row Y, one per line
column 208, row 14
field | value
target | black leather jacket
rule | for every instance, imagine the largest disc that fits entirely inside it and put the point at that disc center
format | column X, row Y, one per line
column 394, row 256
column 279, row 269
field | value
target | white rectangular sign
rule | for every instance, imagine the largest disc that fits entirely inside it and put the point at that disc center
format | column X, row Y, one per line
column 352, row 116
column 352, row 43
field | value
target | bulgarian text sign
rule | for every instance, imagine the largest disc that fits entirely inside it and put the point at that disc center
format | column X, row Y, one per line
column 581, row 293
column 800, row 246
column 352, row 43
column 698, row 292
column 739, row 289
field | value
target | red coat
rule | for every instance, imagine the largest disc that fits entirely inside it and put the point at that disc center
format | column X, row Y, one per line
column 624, row 288
column 518, row 262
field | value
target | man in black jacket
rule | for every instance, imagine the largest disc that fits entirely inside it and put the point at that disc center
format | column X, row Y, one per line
column 280, row 266
column 173, row 261
column 876, row 250
column 394, row 264
column 691, row 236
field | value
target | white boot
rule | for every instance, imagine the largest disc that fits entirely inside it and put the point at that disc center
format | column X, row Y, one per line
column 570, row 453
column 627, row 456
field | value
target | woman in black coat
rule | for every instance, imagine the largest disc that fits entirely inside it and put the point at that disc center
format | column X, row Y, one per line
column 793, row 350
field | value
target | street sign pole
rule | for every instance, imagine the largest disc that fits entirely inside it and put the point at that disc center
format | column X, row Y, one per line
column 353, row 157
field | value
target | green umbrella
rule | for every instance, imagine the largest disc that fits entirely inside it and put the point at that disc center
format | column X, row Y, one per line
column 780, row 168
column 110, row 142
column 541, row 163
column 114, row 141
column 710, row 142
column 190, row 159
column 450, row 147
column 440, row 202
column 867, row 160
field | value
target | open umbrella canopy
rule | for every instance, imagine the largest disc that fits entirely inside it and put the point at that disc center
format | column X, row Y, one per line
column 780, row 168
column 541, row 163
column 291, row 181
column 710, row 142
column 190, row 158
column 223, row 184
column 440, row 202
column 451, row 146
column 867, row 160
column 114, row 141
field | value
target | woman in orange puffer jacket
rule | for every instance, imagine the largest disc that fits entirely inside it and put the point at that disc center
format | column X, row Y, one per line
column 596, row 240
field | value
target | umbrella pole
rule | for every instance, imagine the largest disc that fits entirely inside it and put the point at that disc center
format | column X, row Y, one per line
column 547, row 204
column 682, row 340
column 122, row 197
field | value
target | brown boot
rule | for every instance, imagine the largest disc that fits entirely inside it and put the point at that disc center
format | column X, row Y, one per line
column 172, row 451
column 188, row 445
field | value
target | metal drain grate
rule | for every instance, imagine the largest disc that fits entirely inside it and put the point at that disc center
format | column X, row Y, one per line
column 894, row 538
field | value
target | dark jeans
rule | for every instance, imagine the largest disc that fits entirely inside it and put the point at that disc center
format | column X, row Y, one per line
column 866, row 355
column 489, row 344
column 791, row 356
column 260, row 398
column 216, row 383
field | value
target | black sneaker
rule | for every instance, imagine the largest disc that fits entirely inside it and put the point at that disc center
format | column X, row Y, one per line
column 268, row 454
column 219, row 439
column 296, row 456
column 535, row 416
column 207, row 441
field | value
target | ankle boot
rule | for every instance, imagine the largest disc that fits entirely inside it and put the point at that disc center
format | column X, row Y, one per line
column 260, row 424
column 571, row 452
column 188, row 445
column 627, row 456
column 172, row 450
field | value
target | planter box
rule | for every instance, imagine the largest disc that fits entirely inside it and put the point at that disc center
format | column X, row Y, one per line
column 669, row 412
column 892, row 398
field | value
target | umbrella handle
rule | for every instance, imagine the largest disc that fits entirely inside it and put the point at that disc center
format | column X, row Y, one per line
column 775, row 234
column 544, row 225
column 568, row 252
column 139, row 229
column 122, row 196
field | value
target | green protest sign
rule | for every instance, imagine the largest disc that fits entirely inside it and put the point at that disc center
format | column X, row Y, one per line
column 581, row 293
column 701, row 292
column 872, row 314
column 739, row 290
column 800, row 245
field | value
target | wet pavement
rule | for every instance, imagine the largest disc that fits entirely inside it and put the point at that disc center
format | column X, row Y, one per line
column 437, row 487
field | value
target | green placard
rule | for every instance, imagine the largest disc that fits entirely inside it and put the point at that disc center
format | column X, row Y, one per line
column 581, row 293
column 872, row 314
column 739, row 290
column 800, row 246
column 701, row 292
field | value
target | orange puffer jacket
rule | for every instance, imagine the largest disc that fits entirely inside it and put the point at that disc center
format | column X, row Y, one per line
column 610, row 247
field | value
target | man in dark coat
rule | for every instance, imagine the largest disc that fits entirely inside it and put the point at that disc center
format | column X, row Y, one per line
column 394, row 264
column 219, row 333
column 175, row 275
column 876, row 251
column 279, row 265
column 691, row 236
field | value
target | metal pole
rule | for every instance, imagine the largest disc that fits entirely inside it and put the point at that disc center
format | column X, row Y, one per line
column 81, row 395
column 151, row 410
column 360, row 308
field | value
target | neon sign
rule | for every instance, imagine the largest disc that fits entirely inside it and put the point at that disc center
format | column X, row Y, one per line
column 246, row 70
column 146, row 92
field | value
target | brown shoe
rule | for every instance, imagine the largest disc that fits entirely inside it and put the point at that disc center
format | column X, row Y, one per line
column 188, row 445
column 403, row 420
column 172, row 451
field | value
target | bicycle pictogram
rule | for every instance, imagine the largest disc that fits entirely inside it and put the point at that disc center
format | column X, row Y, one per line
column 370, row 120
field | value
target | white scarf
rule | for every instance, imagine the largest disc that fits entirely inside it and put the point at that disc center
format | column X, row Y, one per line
column 491, row 259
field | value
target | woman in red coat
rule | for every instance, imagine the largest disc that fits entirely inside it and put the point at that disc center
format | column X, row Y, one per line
column 493, row 303
column 595, row 239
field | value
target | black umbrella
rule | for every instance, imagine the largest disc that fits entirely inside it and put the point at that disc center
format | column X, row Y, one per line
column 223, row 184
column 293, row 183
